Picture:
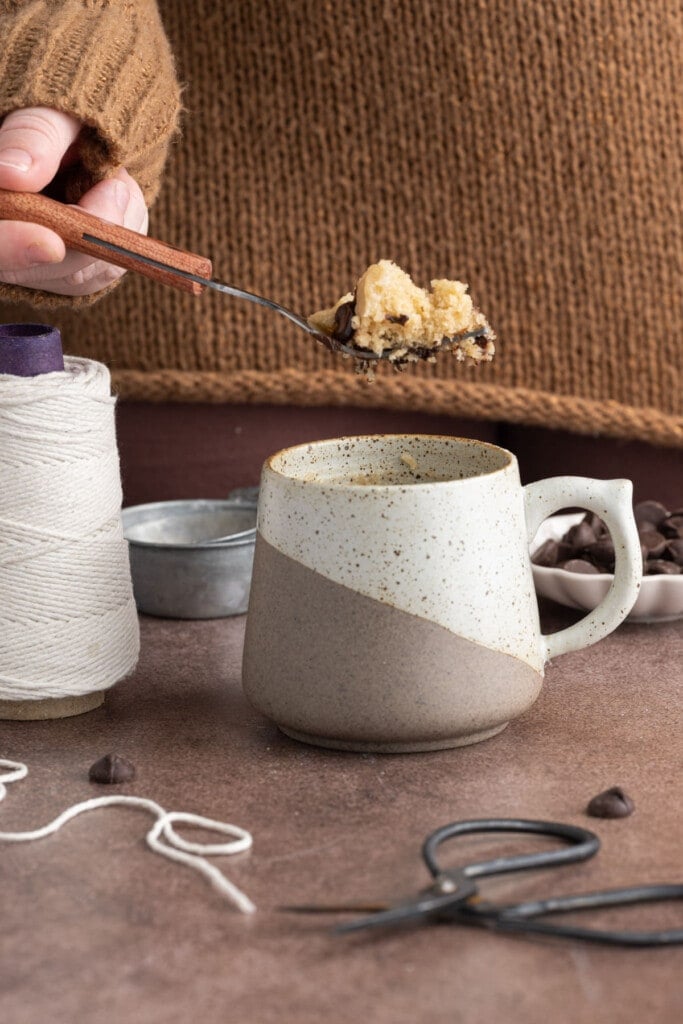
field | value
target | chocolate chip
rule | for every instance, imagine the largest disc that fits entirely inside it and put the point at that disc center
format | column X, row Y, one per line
column 111, row 769
column 602, row 552
column 653, row 542
column 613, row 803
column 550, row 553
column 674, row 550
column 343, row 331
column 595, row 522
column 672, row 526
column 402, row 319
column 580, row 536
column 657, row 566
column 650, row 512
column 546, row 554
column 580, row 565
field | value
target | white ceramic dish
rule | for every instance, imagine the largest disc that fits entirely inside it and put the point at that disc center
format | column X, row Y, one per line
column 660, row 598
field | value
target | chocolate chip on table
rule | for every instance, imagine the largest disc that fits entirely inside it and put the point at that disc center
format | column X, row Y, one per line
column 612, row 803
column 343, row 331
column 112, row 769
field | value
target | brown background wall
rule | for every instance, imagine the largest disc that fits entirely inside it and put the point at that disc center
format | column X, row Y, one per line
column 190, row 451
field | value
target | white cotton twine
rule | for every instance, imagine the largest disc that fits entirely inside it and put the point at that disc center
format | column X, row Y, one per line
column 175, row 848
column 68, row 623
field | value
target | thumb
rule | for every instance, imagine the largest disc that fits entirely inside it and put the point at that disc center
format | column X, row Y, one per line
column 32, row 144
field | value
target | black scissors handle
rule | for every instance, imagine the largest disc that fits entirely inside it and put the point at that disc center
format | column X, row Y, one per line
column 582, row 845
column 453, row 888
column 523, row 917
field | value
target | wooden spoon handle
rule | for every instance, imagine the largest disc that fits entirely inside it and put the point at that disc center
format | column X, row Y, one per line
column 71, row 224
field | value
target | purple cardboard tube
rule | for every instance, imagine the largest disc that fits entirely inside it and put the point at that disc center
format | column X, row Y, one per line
column 27, row 350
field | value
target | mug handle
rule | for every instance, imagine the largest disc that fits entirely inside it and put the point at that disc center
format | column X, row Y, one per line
column 612, row 501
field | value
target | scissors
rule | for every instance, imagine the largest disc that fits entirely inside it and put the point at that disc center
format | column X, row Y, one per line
column 453, row 896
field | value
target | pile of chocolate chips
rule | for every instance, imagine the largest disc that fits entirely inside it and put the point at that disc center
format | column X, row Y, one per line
column 587, row 546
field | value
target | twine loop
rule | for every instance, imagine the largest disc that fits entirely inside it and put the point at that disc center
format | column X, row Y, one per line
column 161, row 838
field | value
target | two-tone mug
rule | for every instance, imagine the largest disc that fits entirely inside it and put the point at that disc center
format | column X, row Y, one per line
column 392, row 605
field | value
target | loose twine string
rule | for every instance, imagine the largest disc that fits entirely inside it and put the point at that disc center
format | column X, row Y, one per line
column 174, row 847
column 68, row 623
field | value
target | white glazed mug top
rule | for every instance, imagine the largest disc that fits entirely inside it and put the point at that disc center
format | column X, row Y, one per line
column 394, row 460
column 433, row 526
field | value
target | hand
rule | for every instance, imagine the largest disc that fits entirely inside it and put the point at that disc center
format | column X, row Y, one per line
column 34, row 144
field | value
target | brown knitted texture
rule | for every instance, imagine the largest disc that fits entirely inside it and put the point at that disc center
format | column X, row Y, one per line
column 530, row 148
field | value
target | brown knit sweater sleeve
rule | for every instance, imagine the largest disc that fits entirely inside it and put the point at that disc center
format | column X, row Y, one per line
column 109, row 64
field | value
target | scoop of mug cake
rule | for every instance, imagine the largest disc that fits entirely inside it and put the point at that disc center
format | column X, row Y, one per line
column 388, row 313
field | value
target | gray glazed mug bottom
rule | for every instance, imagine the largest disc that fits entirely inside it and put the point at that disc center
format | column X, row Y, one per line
column 336, row 669
column 389, row 747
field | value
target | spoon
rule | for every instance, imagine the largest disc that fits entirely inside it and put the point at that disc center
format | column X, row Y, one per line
column 159, row 261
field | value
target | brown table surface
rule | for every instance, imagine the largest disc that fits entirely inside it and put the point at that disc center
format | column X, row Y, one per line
column 96, row 928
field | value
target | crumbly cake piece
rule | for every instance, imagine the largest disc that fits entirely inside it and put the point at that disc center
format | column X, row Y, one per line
column 389, row 313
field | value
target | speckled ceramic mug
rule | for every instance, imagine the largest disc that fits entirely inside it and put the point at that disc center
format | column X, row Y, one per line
column 392, row 604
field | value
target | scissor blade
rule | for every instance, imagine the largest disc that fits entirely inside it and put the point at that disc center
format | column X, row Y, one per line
column 335, row 908
column 435, row 902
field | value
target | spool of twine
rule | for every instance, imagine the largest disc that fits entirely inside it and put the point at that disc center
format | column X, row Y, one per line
column 68, row 622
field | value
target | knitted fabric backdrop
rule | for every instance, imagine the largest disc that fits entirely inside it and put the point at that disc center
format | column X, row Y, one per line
column 530, row 148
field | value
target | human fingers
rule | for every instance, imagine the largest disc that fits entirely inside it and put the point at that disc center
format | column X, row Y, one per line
column 118, row 200
column 28, row 248
column 33, row 143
